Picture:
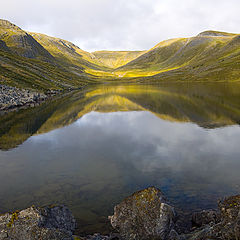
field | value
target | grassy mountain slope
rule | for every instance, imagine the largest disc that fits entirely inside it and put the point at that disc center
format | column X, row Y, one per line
column 115, row 59
column 66, row 52
column 201, row 56
column 35, row 74
column 26, row 63
column 21, row 43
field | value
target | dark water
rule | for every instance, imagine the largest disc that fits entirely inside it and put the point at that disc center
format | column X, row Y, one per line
column 91, row 149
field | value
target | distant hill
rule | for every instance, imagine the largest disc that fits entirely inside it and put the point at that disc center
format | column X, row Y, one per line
column 40, row 62
column 115, row 59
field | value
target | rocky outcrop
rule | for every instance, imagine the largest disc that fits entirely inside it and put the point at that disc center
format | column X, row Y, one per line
column 55, row 223
column 11, row 97
column 145, row 215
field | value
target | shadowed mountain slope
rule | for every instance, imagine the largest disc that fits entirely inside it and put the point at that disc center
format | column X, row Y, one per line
column 21, row 43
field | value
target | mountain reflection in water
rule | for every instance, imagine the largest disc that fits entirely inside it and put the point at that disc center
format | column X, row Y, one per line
column 91, row 149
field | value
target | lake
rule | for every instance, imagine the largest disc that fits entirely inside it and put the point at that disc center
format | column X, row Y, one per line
column 90, row 149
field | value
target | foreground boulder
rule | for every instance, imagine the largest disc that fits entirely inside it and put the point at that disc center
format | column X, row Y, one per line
column 55, row 223
column 145, row 215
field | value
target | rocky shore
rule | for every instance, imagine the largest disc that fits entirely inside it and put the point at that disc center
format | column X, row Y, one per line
column 145, row 215
column 12, row 97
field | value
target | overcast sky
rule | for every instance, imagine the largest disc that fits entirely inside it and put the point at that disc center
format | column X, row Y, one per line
column 122, row 24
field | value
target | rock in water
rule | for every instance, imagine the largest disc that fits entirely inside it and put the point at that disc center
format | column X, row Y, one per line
column 144, row 215
column 55, row 223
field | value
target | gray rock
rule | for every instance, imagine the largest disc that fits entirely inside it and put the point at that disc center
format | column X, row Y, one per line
column 205, row 217
column 12, row 97
column 144, row 215
column 55, row 223
column 228, row 226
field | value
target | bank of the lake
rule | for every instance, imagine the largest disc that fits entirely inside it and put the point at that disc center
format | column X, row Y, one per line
column 145, row 215
column 13, row 98
column 90, row 149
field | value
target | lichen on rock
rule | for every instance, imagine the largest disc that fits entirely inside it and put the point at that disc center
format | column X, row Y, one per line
column 144, row 215
column 55, row 223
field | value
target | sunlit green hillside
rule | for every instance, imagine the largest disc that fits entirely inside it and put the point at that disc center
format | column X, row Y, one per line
column 115, row 59
column 209, row 56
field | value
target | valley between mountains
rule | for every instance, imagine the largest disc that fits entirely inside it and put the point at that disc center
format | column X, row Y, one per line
column 41, row 63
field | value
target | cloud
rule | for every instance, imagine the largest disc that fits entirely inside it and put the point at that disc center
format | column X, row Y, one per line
column 122, row 24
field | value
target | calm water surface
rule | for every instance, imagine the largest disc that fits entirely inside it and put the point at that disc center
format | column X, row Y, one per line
column 91, row 149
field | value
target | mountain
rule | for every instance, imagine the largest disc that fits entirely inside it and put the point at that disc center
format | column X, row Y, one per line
column 210, row 55
column 25, row 63
column 67, row 52
column 40, row 62
column 21, row 43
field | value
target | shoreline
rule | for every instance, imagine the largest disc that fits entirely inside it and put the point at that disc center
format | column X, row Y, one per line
column 146, row 214
column 14, row 99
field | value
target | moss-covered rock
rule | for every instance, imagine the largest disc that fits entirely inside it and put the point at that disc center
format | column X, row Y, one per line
column 144, row 215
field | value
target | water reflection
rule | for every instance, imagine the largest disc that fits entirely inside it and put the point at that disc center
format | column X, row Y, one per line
column 91, row 149
column 208, row 105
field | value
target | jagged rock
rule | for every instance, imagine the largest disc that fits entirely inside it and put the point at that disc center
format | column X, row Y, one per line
column 144, row 215
column 55, row 223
